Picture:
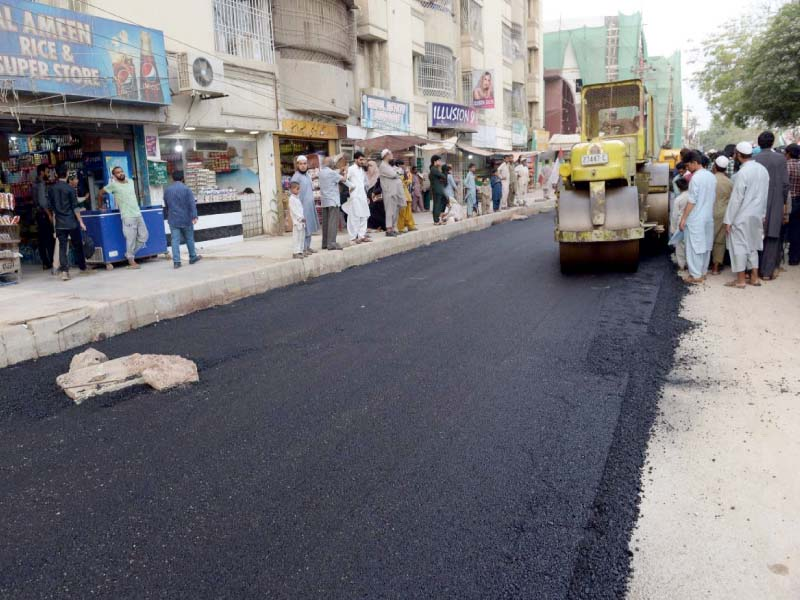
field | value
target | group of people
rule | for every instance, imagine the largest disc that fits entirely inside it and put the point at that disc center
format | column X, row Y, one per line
column 60, row 222
column 745, row 200
column 383, row 195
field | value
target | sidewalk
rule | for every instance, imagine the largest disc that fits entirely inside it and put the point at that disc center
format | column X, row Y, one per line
column 43, row 315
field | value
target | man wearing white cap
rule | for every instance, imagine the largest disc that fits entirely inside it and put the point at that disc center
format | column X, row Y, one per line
column 306, row 196
column 724, row 189
column 697, row 222
column 392, row 190
column 744, row 218
column 357, row 205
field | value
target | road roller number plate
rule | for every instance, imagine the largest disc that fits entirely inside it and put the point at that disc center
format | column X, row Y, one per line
column 594, row 159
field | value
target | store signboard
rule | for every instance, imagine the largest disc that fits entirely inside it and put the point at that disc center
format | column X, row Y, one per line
column 483, row 89
column 157, row 170
column 51, row 50
column 519, row 133
column 453, row 116
column 310, row 129
column 385, row 114
column 485, row 137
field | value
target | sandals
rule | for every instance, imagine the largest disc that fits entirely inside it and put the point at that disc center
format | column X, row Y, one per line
column 736, row 284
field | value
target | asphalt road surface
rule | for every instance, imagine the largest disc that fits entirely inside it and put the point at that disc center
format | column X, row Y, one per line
column 460, row 421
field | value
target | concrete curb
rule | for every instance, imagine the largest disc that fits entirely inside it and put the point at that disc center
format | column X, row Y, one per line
column 57, row 333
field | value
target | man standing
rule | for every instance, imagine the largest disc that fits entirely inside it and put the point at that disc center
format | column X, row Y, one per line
column 133, row 227
column 67, row 221
column 357, row 206
column 306, row 195
column 392, row 189
column 417, row 204
column 521, row 173
column 778, row 206
column 504, row 172
column 470, row 190
column 724, row 189
column 512, row 182
column 744, row 218
column 44, row 227
column 438, row 181
column 697, row 222
column 329, row 180
column 793, row 166
column 182, row 217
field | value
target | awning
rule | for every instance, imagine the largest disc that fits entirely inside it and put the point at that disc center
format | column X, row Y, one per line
column 447, row 145
column 394, row 143
column 473, row 150
column 527, row 154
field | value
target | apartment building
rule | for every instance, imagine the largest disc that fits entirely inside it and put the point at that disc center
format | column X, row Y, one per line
column 230, row 91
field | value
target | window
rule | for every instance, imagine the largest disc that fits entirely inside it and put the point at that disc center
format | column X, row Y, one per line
column 508, row 44
column 508, row 104
column 243, row 28
column 74, row 5
column 472, row 20
column 518, row 100
column 435, row 72
column 445, row 6
column 517, row 42
column 466, row 86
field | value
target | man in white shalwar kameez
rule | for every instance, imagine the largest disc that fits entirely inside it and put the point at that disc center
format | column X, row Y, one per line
column 523, row 175
column 357, row 206
column 744, row 218
column 698, row 219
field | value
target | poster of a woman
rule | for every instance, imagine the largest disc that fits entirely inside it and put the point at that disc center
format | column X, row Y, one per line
column 483, row 92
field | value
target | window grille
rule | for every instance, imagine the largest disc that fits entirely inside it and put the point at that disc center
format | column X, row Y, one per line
column 445, row 6
column 324, row 26
column 472, row 20
column 518, row 43
column 73, row 5
column 466, row 86
column 518, row 100
column 508, row 103
column 435, row 72
column 243, row 28
column 508, row 44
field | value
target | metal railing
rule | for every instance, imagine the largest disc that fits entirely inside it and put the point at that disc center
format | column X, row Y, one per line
column 436, row 72
column 472, row 20
column 243, row 28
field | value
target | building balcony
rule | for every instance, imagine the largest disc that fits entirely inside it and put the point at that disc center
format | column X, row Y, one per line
column 373, row 20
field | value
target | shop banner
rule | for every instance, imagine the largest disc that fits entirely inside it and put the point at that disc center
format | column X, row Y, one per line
column 485, row 137
column 483, row 89
column 453, row 116
column 385, row 114
column 519, row 133
column 51, row 50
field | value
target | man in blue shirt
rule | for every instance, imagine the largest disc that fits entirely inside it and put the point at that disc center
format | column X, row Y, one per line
column 181, row 216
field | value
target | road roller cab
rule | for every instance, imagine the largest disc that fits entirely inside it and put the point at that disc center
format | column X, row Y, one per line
column 603, row 212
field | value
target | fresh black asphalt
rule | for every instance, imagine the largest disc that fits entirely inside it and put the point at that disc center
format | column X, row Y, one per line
column 460, row 421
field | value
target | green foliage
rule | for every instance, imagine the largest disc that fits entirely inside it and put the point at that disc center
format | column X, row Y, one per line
column 719, row 134
column 752, row 72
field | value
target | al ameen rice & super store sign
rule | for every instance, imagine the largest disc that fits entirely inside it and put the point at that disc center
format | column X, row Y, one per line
column 51, row 50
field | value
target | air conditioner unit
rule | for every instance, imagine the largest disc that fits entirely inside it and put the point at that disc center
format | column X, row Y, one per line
column 200, row 74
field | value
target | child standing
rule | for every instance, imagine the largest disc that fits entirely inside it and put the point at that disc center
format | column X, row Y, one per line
column 298, row 220
column 497, row 190
column 678, row 206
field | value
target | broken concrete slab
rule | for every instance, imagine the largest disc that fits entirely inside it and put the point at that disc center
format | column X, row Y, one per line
column 87, row 358
column 160, row 371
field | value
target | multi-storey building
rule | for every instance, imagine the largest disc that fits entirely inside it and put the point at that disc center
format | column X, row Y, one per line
column 230, row 91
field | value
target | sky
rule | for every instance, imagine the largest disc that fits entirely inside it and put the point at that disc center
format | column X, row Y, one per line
column 668, row 26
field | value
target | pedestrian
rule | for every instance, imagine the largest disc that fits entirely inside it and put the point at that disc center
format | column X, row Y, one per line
column 470, row 190
column 44, row 226
column 680, row 172
column 697, row 222
column 778, row 205
column 523, row 175
column 67, row 222
column 357, row 206
column 298, row 213
column 133, row 226
column 793, row 167
column 724, row 189
column 496, row 184
column 450, row 186
column 392, row 191
column 329, row 180
column 306, row 196
column 417, row 203
column 405, row 219
column 504, row 173
column 377, row 212
column 744, row 218
column 678, row 208
column 438, row 182
column 181, row 217
column 454, row 213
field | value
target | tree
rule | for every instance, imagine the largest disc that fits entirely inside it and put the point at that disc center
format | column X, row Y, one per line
column 720, row 134
column 751, row 72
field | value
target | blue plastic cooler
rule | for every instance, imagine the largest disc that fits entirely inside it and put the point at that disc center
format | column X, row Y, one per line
column 105, row 229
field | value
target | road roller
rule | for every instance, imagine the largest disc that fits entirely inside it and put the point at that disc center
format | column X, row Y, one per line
column 615, row 194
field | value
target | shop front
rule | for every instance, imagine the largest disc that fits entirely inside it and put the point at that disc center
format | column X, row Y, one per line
column 313, row 139
column 81, row 101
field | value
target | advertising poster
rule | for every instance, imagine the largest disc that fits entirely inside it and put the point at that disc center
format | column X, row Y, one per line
column 453, row 116
column 151, row 145
column 51, row 50
column 483, row 89
column 385, row 114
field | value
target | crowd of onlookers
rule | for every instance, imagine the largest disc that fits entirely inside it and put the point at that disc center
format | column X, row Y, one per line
column 743, row 203
column 384, row 194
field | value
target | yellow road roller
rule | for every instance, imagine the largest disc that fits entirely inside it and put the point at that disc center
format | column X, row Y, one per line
column 616, row 193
